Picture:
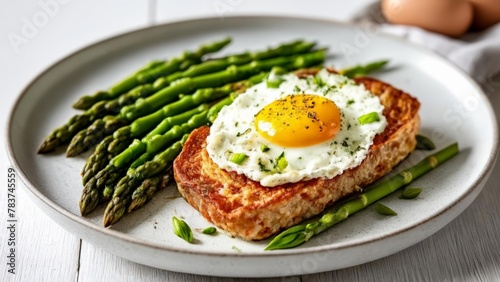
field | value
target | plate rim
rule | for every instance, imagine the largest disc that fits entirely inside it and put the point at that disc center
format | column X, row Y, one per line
column 110, row 233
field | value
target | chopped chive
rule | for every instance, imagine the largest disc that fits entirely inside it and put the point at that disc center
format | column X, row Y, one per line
column 275, row 83
column 349, row 102
column 281, row 162
column 411, row 193
column 238, row 158
column 384, row 210
column 345, row 144
column 243, row 133
column 182, row 229
column 424, row 143
column 274, row 79
column 236, row 249
column 264, row 148
column 318, row 81
column 278, row 71
column 263, row 167
column 209, row 230
column 369, row 118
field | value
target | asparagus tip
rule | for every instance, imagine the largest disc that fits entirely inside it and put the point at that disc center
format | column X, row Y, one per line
column 87, row 205
column 82, row 103
column 71, row 152
column 108, row 220
column 109, row 217
column 43, row 149
column 113, row 213
column 89, row 198
column 48, row 145
column 133, row 206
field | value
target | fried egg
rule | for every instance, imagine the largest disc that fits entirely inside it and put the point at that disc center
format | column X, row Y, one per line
column 305, row 128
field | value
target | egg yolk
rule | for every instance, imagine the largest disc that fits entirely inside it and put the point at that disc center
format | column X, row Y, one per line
column 299, row 120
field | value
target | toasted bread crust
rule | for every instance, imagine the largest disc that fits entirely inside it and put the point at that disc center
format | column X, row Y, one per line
column 246, row 209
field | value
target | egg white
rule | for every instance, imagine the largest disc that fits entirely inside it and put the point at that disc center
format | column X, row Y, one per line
column 234, row 132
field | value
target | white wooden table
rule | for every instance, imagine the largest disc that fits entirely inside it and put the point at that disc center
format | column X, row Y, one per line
column 34, row 34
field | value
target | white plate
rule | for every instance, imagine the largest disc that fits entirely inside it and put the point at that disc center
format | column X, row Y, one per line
column 453, row 109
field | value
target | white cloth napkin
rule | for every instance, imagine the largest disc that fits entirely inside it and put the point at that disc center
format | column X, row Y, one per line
column 477, row 53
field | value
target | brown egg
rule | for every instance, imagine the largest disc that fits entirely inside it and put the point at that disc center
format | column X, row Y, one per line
column 449, row 17
column 486, row 13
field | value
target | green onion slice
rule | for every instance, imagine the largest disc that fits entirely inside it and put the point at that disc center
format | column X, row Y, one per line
column 182, row 229
column 281, row 162
column 238, row 158
column 384, row 210
column 424, row 143
column 264, row 148
column 209, row 230
column 411, row 193
column 369, row 118
column 275, row 83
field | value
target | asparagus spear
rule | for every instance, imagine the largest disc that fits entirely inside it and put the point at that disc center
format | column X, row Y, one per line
column 86, row 102
column 284, row 50
column 64, row 133
column 83, row 141
column 147, row 189
column 214, row 65
column 215, row 109
column 122, row 194
column 97, row 131
column 97, row 160
column 150, row 73
column 122, row 138
column 299, row 234
column 361, row 70
column 93, row 191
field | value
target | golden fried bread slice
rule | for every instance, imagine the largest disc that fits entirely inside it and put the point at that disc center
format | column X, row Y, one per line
column 246, row 209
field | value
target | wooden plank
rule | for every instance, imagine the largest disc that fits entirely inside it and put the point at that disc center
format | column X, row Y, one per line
column 99, row 265
column 43, row 249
